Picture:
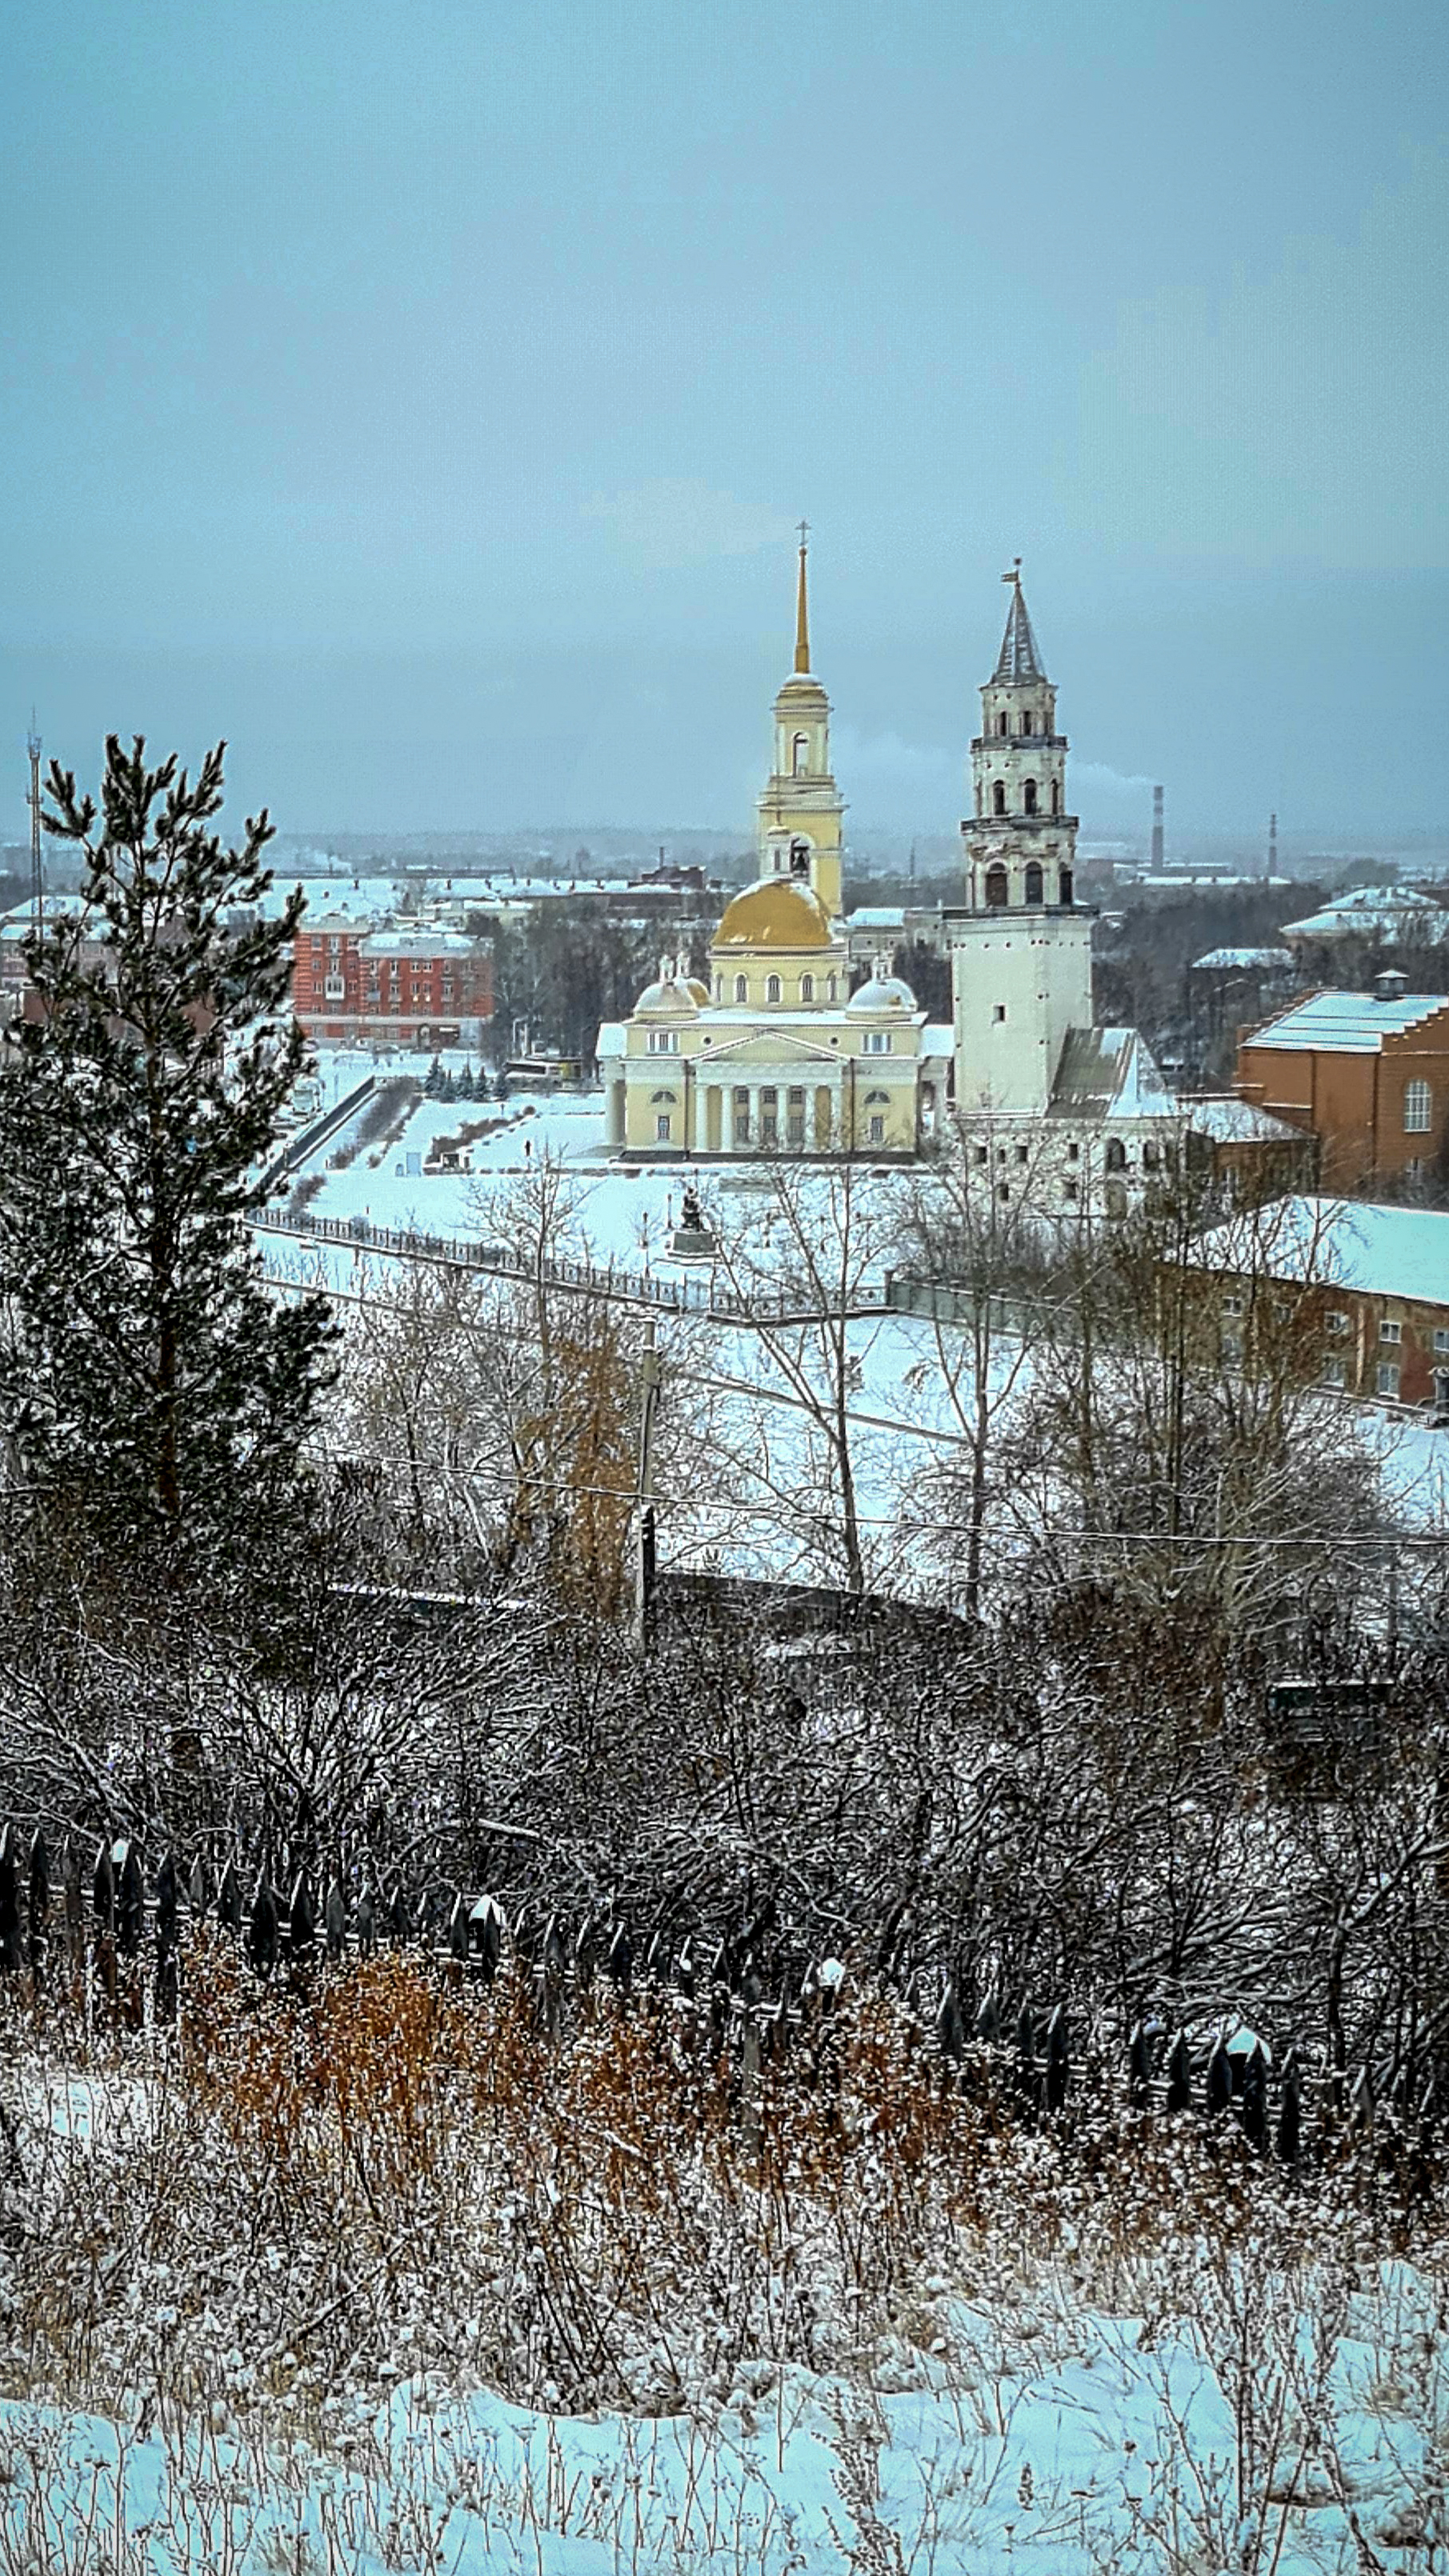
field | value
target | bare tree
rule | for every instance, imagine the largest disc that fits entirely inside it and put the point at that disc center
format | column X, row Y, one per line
column 806, row 1267
column 982, row 1260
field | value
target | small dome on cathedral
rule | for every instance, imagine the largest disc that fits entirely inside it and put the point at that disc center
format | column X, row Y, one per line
column 778, row 913
column 675, row 993
column 883, row 993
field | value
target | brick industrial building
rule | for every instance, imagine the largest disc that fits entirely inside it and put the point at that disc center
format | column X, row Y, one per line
column 1366, row 1073
column 423, row 988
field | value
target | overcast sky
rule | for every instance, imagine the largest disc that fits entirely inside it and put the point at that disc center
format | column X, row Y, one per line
column 422, row 395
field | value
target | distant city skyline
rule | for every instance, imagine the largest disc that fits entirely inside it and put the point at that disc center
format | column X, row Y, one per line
column 425, row 401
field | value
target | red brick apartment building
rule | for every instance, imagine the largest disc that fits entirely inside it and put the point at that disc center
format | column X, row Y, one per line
column 1373, row 1282
column 424, row 988
column 1367, row 1073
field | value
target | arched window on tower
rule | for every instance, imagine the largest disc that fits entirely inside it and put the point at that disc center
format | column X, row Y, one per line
column 1115, row 1157
column 1064, row 885
column 1034, row 883
column 1028, row 723
column 800, row 755
column 998, row 796
column 1056, row 796
column 772, row 988
column 1001, row 721
column 799, row 858
column 742, row 988
column 1028, row 794
column 996, row 890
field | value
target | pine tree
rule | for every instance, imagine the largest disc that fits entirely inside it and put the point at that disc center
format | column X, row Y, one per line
column 157, row 1398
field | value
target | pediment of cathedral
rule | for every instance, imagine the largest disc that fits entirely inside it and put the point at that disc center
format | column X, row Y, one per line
column 768, row 1044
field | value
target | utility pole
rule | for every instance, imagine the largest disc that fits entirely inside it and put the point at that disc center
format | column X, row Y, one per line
column 645, row 1562
column 1272, row 846
column 1157, row 837
column 37, row 879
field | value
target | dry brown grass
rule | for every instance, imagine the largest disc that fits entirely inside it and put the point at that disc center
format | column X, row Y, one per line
column 315, row 2188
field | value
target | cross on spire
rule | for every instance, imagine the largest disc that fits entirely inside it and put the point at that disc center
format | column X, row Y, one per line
column 802, row 614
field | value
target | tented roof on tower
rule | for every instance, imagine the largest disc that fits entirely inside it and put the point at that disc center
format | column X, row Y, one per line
column 1018, row 658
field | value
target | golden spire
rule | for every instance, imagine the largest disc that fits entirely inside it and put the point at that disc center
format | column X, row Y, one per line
column 802, row 617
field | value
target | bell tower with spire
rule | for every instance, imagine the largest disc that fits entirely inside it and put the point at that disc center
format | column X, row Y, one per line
column 801, row 812
column 1021, row 951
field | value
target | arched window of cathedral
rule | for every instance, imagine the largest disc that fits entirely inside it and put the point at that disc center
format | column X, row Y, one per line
column 1001, row 721
column 1029, row 795
column 742, row 988
column 998, row 796
column 1033, row 883
column 996, row 890
column 807, row 988
column 1056, row 796
column 1115, row 1157
column 800, row 754
column 772, row 988
column 1064, row 885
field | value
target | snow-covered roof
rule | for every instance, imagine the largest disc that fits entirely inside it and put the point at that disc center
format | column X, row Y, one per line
column 1369, row 908
column 1343, row 1243
column 1347, row 1023
column 1237, row 1122
column 877, row 916
column 337, row 898
column 1221, row 961
column 21, row 916
column 418, row 943
column 938, row 1039
column 1109, row 1073
column 611, row 1038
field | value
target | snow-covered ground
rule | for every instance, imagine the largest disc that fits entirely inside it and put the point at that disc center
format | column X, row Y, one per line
column 623, row 1215
column 1070, row 2441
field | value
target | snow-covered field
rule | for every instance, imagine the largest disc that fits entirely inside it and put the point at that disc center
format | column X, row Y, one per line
column 1044, row 2434
column 623, row 1215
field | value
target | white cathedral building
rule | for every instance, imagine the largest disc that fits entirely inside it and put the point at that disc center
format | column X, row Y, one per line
column 771, row 1052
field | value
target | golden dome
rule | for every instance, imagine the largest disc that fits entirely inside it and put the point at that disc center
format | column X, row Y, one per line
column 776, row 914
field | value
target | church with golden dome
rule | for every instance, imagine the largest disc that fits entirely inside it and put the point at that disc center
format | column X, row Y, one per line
column 773, row 1053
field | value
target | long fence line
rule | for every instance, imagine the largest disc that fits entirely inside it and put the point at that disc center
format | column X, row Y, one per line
column 305, row 1144
column 109, row 1932
column 689, row 1296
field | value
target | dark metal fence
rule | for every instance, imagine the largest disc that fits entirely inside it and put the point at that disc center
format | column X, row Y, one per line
column 102, row 1928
